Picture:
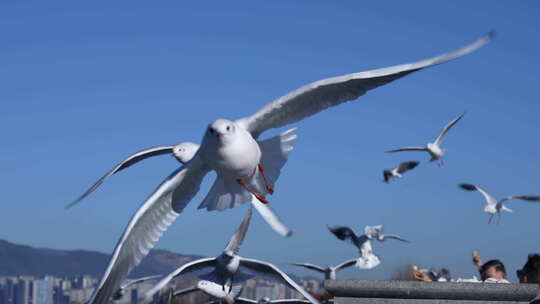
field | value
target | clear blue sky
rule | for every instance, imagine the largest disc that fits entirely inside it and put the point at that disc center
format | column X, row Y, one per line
column 83, row 85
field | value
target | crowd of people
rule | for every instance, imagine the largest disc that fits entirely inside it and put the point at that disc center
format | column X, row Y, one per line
column 492, row 271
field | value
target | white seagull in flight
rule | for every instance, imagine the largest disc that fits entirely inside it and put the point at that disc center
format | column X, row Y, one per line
column 329, row 271
column 494, row 206
column 434, row 149
column 229, row 267
column 399, row 170
column 367, row 259
column 244, row 166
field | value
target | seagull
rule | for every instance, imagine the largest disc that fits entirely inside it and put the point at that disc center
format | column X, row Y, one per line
column 229, row 267
column 329, row 271
column 243, row 164
column 397, row 172
column 183, row 152
column 434, row 149
column 121, row 291
column 367, row 259
column 494, row 206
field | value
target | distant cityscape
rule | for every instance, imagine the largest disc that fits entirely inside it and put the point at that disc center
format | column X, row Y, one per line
column 77, row 290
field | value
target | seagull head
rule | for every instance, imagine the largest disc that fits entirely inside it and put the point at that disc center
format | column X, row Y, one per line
column 226, row 257
column 185, row 151
column 221, row 130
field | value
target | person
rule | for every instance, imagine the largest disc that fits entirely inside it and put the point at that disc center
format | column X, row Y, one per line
column 493, row 271
column 530, row 273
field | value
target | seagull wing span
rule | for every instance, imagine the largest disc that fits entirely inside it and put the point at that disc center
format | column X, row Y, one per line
column 148, row 224
column 320, row 95
column 269, row 269
column 447, row 128
column 406, row 166
column 186, row 268
column 236, row 240
column 531, row 198
column 310, row 266
column 470, row 187
column 345, row 264
column 133, row 159
column 407, row 149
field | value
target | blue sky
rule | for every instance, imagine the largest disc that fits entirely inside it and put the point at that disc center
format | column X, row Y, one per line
column 86, row 84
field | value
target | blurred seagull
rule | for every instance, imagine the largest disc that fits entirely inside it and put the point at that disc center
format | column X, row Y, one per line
column 398, row 172
column 121, row 291
column 434, row 149
column 367, row 259
column 244, row 166
column 229, row 267
column 494, row 206
column 329, row 271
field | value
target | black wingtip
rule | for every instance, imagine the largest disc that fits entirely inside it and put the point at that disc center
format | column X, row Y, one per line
column 414, row 164
column 531, row 198
column 491, row 34
column 386, row 176
column 468, row 187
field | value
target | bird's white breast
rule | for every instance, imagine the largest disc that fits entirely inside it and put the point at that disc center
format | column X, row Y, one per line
column 237, row 157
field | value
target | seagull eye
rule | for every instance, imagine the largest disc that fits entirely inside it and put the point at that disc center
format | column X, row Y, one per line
column 228, row 128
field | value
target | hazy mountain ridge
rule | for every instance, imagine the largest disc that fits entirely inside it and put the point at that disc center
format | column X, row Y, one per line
column 16, row 259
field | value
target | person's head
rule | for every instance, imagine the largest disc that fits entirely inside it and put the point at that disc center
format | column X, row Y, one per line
column 530, row 273
column 493, row 269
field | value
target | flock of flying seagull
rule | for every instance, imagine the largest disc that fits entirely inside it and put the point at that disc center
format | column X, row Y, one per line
column 247, row 168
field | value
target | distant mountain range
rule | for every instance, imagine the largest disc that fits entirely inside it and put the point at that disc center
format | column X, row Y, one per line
column 18, row 259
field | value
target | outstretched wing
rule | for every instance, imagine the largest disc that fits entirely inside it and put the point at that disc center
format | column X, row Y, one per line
column 310, row 266
column 236, row 240
column 148, row 224
column 383, row 237
column 343, row 233
column 186, row 268
column 406, row 166
column 273, row 271
column 407, row 149
column 133, row 159
column 531, row 198
column 346, row 264
column 470, row 187
column 320, row 95
column 447, row 128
